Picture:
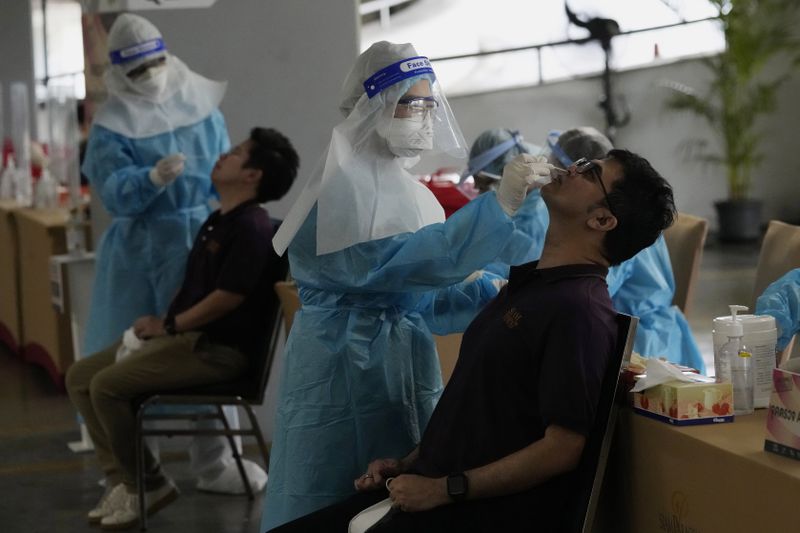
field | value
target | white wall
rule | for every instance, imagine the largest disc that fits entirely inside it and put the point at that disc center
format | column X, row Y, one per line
column 652, row 132
column 284, row 61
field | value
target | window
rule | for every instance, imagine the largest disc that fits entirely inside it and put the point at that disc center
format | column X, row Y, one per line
column 442, row 29
column 57, row 47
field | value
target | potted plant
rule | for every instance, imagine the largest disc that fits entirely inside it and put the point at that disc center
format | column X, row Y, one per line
column 757, row 33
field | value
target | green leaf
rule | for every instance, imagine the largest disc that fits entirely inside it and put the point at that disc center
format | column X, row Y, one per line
column 758, row 33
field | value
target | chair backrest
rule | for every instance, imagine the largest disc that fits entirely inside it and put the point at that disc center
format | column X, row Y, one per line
column 685, row 240
column 448, row 346
column 780, row 253
column 263, row 361
column 290, row 302
column 579, row 517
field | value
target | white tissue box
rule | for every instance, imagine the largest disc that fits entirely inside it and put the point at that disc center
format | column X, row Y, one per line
column 783, row 418
column 682, row 403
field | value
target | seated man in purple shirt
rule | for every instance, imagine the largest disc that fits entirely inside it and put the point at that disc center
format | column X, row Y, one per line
column 210, row 333
column 512, row 423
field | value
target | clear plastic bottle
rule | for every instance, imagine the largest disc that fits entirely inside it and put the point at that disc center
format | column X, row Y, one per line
column 76, row 225
column 46, row 191
column 724, row 362
column 743, row 381
column 725, row 354
column 8, row 180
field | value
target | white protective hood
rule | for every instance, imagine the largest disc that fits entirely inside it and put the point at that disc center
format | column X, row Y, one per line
column 187, row 98
column 362, row 190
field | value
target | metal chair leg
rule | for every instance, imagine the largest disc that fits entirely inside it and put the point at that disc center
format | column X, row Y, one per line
column 236, row 454
column 140, row 474
column 259, row 436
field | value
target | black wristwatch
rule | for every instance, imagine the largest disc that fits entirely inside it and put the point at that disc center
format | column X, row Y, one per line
column 457, row 486
column 169, row 324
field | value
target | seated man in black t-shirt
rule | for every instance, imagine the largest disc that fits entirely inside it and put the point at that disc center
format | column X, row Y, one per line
column 211, row 330
column 513, row 419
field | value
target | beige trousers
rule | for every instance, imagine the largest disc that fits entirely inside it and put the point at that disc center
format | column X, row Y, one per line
column 105, row 392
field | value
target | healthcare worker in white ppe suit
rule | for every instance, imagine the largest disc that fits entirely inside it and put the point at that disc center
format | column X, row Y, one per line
column 378, row 271
column 149, row 158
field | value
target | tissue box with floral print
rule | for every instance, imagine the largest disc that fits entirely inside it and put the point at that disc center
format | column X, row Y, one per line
column 685, row 403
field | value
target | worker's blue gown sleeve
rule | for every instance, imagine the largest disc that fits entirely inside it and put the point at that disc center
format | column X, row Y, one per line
column 526, row 245
column 782, row 301
column 644, row 286
column 451, row 309
column 142, row 255
column 361, row 376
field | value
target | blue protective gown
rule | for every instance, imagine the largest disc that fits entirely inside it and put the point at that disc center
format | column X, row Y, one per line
column 531, row 221
column 782, row 301
column 361, row 376
column 642, row 286
column 142, row 255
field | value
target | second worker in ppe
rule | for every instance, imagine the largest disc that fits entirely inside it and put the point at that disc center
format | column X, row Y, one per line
column 149, row 158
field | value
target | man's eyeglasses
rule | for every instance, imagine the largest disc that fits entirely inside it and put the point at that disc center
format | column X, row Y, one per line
column 416, row 108
column 587, row 166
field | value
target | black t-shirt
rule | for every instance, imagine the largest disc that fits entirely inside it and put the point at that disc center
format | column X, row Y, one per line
column 233, row 252
column 534, row 356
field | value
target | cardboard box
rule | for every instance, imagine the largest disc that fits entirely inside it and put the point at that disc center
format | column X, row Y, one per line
column 712, row 478
column 683, row 403
column 783, row 416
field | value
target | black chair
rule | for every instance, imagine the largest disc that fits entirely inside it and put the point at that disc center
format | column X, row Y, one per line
column 245, row 392
column 588, row 477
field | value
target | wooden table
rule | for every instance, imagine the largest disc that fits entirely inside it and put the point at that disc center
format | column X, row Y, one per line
column 46, row 333
column 10, row 313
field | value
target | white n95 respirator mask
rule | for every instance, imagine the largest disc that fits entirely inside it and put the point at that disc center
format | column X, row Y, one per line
column 407, row 137
column 152, row 83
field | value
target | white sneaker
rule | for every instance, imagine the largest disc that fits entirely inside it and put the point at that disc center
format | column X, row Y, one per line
column 229, row 481
column 112, row 497
column 126, row 515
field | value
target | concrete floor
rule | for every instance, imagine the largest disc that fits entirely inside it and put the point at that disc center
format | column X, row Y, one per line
column 46, row 488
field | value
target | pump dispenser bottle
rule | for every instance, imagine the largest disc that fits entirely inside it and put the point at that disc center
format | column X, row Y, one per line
column 733, row 363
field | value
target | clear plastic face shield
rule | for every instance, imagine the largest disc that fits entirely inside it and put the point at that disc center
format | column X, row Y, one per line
column 554, row 153
column 563, row 148
column 142, row 73
column 396, row 117
column 483, row 179
column 150, row 78
column 142, row 68
column 411, row 131
column 413, row 115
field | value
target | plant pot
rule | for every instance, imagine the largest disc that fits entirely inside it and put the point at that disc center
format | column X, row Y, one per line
column 739, row 220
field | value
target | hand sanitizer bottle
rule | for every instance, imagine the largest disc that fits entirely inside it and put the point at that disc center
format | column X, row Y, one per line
column 734, row 364
column 724, row 356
